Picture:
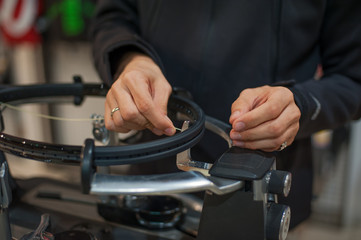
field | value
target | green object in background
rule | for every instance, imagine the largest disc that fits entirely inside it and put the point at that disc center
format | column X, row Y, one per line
column 72, row 21
column 72, row 15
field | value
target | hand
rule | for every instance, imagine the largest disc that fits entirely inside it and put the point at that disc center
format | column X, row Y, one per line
column 264, row 118
column 141, row 93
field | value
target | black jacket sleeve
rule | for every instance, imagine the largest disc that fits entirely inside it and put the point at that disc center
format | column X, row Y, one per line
column 115, row 31
column 336, row 98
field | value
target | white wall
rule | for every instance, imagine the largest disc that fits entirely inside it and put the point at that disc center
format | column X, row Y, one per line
column 27, row 68
column 66, row 60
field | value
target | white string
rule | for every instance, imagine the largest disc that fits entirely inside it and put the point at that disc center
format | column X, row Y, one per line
column 48, row 116
column 56, row 118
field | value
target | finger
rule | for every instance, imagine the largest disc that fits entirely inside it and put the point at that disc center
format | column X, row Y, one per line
column 127, row 117
column 270, row 144
column 236, row 115
column 267, row 111
column 160, row 94
column 128, row 111
column 109, row 122
column 146, row 106
column 270, row 129
column 243, row 104
column 162, row 91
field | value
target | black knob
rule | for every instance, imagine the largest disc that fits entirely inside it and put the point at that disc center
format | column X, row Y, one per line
column 279, row 182
column 277, row 221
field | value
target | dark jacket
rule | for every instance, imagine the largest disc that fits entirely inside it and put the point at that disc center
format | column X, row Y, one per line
column 217, row 48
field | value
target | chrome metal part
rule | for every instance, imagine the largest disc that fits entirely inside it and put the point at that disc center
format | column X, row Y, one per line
column 100, row 133
column 185, row 162
column 180, row 182
column 259, row 190
column 5, row 192
column 5, row 199
column 285, row 223
column 104, row 170
column 184, row 159
column 287, row 184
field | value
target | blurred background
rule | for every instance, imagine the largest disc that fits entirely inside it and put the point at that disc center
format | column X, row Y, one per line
column 48, row 42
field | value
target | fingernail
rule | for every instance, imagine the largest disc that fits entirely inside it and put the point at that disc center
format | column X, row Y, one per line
column 169, row 131
column 157, row 131
column 235, row 135
column 239, row 126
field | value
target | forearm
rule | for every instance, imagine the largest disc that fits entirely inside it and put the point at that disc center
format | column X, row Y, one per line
column 115, row 33
column 335, row 99
column 327, row 103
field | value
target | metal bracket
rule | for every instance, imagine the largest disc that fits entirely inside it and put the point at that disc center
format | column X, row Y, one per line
column 184, row 159
column 100, row 132
column 185, row 162
column 5, row 192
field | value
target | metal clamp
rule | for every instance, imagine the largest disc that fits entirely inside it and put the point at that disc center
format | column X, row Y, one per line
column 5, row 192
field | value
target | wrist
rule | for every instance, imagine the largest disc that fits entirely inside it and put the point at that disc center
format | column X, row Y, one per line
column 126, row 59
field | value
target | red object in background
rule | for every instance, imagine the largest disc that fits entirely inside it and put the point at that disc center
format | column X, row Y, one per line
column 18, row 20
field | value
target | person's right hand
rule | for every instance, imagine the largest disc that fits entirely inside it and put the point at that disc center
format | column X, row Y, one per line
column 141, row 93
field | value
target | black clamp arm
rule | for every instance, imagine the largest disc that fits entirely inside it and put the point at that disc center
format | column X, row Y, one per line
column 243, row 164
column 87, row 165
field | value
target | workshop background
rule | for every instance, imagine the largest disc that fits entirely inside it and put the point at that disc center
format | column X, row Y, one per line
column 48, row 42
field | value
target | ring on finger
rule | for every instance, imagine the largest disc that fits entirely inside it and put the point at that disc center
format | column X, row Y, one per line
column 113, row 111
column 283, row 146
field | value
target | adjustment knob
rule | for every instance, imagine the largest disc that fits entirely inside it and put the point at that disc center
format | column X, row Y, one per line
column 279, row 182
column 277, row 222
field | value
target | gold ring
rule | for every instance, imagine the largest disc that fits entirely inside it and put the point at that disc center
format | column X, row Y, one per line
column 283, row 146
column 113, row 111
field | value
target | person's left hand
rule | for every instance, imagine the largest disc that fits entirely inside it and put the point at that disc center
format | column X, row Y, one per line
column 264, row 118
